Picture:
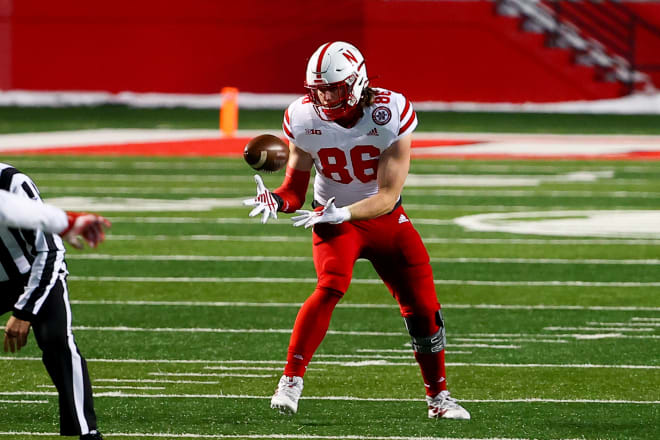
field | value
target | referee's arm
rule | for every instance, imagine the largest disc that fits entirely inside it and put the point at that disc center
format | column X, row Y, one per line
column 23, row 213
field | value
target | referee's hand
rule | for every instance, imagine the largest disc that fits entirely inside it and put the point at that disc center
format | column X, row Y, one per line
column 16, row 334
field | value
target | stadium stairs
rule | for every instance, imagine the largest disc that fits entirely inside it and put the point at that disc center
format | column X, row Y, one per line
column 590, row 42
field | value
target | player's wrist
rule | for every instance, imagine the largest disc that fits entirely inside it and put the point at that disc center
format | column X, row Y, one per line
column 345, row 213
column 71, row 220
column 278, row 200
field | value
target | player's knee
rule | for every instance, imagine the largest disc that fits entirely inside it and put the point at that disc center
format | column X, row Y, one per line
column 334, row 277
column 329, row 291
column 427, row 332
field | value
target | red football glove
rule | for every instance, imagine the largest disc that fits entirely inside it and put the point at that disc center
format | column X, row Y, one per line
column 91, row 227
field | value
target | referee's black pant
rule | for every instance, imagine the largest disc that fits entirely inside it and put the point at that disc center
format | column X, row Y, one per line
column 64, row 363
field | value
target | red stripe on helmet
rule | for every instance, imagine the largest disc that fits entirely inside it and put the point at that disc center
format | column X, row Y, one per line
column 407, row 124
column 320, row 60
column 286, row 116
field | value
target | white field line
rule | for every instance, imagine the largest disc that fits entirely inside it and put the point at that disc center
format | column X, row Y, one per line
column 474, row 168
column 362, row 306
column 626, row 324
column 150, row 165
column 157, row 373
column 240, row 238
column 359, row 356
column 337, row 398
column 598, row 329
column 23, row 402
column 193, row 220
column 340, row 363
column 555, row 335
column 287, row 258
column 113, row 387
column 244, row 368
column 224, row 330
column 218, row 190
column 125, row 387
column 262, row 436
column 639, row 318
column 545, row 341
column 187, row 258
column 436, row 240
column 141, row 177
column 224, row 186
column 529, row 193
column 188, row 382
column 270, row 280
column 380, row 356
column 390, row 350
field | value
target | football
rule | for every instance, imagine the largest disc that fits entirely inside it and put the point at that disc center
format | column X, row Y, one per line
column 266, row 153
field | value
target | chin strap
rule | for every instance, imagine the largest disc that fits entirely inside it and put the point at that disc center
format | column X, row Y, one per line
column 350, row 119
column 290, row 195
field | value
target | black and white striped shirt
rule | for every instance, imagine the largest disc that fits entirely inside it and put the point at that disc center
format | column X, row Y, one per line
column 28, row 254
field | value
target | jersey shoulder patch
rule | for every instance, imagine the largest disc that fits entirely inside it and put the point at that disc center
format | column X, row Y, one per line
column 394, row 112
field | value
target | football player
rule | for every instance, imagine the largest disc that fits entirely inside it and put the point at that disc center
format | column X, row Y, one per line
column 358, row 139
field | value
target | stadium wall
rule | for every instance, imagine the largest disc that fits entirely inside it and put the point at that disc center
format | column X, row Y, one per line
column 432, row 50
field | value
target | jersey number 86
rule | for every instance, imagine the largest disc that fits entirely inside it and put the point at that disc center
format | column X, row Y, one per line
column 364, row 160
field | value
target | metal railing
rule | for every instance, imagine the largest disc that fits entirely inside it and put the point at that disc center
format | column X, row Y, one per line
column 602, row 33
column 614, row 26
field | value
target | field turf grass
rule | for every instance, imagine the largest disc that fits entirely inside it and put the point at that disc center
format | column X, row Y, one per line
column 18, row 119
column 184, row 316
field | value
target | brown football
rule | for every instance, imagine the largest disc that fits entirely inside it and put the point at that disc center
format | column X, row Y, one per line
column 266, row 153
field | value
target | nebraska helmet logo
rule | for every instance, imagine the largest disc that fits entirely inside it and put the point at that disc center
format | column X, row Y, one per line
column 381, row 115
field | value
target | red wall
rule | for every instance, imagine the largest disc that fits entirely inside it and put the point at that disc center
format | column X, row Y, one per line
column 431, row 50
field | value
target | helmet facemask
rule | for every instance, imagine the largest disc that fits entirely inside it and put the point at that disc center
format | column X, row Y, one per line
column 333, row 101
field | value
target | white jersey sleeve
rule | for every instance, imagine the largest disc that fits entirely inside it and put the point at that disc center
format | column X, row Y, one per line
column 346, row 159
column 23, row 213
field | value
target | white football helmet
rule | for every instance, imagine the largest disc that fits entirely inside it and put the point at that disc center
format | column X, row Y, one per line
column 336, row 77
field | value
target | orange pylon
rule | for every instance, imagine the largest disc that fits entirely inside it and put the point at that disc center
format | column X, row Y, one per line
column 229, row 111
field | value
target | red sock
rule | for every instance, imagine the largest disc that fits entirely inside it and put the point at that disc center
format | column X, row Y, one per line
column 433, row 371
column 310, row 328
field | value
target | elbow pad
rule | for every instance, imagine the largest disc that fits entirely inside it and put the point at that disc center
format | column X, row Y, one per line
column 291, row 194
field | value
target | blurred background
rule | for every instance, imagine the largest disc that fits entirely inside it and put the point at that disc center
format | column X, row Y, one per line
column 439, row 51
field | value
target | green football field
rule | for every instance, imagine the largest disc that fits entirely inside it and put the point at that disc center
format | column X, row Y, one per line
column 185, row 312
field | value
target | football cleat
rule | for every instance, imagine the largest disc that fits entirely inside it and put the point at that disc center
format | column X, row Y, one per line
column 287, row 394
column 444, row 407
column 92, row 435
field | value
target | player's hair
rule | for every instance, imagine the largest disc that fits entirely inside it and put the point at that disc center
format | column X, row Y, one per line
column 368, row 96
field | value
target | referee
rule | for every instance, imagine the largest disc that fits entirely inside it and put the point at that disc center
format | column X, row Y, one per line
column 33, row 286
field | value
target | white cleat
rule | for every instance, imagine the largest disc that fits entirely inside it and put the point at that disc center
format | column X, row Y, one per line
column 444, row 407
column 287, row 394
